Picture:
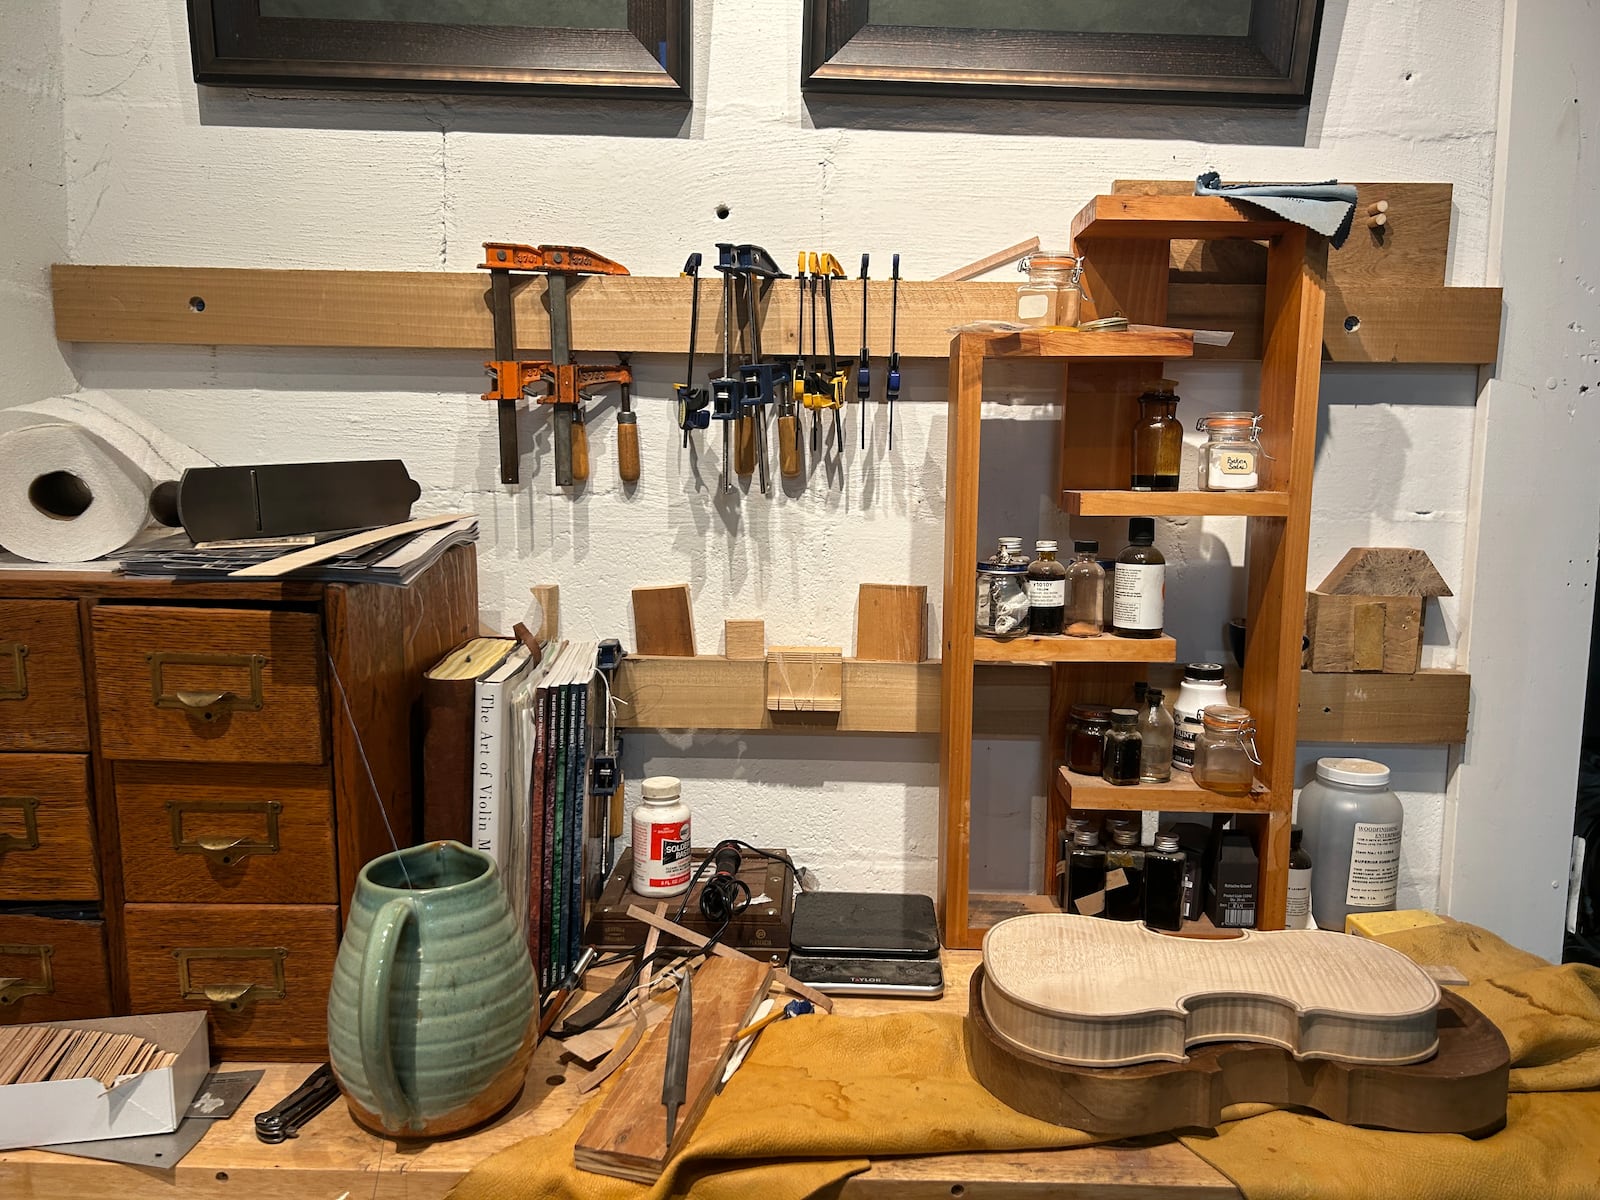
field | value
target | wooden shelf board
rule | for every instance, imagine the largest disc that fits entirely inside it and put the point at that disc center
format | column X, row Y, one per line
column 1167, row 217
column 1430, row 707
column 1174, row 504
column 1179, row 794
column 1103, row 649
column 446, row 310
column 1138, row 342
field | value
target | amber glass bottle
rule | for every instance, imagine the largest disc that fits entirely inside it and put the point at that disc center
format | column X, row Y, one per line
column 1157, row 441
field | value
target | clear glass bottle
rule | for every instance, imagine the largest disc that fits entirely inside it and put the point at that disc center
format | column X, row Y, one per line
column 1120, row 758
column 1053, row 294
column 1164, row 870
column 1141, row 584
column 1297, row 913
column 1157, row 440
column 1353, row 825
column 1086, row 875
column 1086, row 583
column 1155, row 732
column 1125, row 875
column 1231, row 457
column 1003, row 591
column 1047, row 591
column 1225, row 756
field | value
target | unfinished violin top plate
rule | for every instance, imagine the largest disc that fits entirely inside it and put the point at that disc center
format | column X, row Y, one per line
column 1099, row 993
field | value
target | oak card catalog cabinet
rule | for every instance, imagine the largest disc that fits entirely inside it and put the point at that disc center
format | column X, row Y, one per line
column 184, row 801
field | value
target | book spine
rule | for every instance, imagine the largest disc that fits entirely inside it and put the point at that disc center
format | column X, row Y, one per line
column 547, row 866
column 580, row 795
column 488, row 736
column 447, row 760
column 536, row 832
column 558, row 876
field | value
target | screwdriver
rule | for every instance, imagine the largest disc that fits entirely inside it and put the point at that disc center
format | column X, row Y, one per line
column 627, row 432
column 864, row 363
column 892, row 388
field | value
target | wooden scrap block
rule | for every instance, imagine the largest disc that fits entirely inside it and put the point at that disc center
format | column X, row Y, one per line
column 662, row 621
column 548, row 628
column 892, row 622
column 744, row 639
column 1385, row 571
column 805, row 678
column 627, row 1136
column 1364, row 633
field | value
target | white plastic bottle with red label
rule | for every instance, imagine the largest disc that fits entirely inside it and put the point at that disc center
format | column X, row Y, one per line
column 660, row 839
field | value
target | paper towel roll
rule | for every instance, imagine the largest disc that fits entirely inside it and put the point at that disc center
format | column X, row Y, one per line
column 76, row 474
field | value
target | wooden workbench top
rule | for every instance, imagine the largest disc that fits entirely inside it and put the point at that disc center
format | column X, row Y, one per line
column 333, row 1156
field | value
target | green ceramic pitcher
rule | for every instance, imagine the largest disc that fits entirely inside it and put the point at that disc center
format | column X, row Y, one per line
column 432, row 1014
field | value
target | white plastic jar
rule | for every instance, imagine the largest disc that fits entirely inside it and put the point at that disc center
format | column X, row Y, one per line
column 1202, row 686
column 1352, row 824
column 661, row 864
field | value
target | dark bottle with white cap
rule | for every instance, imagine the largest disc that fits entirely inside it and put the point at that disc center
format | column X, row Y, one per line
column 1140, row 585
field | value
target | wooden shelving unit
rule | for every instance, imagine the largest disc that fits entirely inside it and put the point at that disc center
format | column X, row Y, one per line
column 1103, row 649
column 1126, row 241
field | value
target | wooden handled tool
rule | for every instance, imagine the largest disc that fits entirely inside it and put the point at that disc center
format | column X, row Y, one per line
column 628, row 434
column 580, row 446
column 789, row 444
column 744, row 449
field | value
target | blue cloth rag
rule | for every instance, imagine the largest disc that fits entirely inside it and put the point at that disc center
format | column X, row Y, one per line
column 1328, row 208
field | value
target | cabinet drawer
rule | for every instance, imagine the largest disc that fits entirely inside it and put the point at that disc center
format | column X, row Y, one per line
column 46, row 828
column 41, row 677
column 52, row 969
column 209, row 684
column 221, row 834
column 262, row 971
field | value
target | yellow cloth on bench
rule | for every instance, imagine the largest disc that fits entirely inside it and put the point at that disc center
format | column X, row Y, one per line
column 821, row 1095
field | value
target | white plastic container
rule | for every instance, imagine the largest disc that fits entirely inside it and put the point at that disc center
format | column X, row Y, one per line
column 661, row 864
column 1352, row 824
column 1202, row 685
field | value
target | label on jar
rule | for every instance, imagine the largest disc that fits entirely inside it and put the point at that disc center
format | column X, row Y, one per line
column 1033, row 306
column 1047, row 593
column 1138, row 596
column 1374, row 865
column 1238, row 462
column 1297, row 913
column 1184, row 736
column 985, row 604
column 664, row 846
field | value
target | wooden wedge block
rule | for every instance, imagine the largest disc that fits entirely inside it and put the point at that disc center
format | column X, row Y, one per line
column 891, row 622
column 805, row 679
column 662, row 620
column 627, row 1136
column 549, row 597
column 1385, row 571
column 744, row 639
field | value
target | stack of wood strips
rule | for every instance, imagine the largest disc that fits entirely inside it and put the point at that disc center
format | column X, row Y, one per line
column 37, row 1053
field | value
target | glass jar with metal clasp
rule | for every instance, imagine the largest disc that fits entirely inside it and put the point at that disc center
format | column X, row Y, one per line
column 1225, row 755
column 1053, row 294
column 1231, row 458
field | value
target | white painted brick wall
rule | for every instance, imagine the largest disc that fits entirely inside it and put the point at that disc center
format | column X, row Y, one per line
column 160, row 172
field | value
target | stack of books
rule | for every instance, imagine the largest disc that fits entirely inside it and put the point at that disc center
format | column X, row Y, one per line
column 506, row 745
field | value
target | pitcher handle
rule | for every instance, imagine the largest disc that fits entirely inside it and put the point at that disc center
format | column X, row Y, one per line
column 377, row 1057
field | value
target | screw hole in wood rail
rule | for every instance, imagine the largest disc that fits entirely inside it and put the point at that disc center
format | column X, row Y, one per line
column 1352, row 323
column 197, row 304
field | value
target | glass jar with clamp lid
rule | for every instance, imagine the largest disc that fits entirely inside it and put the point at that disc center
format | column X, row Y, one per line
column 1230, row 458
column 1053, row 294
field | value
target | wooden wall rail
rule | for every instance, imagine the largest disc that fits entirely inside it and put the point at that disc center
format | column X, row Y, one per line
column 715, row 693
column 217, row 306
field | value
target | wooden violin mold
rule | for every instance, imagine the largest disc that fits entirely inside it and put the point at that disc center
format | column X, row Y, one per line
column 1097, row 993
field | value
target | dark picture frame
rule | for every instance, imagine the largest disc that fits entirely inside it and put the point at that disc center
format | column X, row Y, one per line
column 1271, row 64
column 234, row 44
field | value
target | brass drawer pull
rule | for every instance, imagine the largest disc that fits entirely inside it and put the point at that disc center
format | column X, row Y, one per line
column 17, row 689
column 233, row 997
column 29, row 838
column 206, row 705
column 13, row 989
column 225, row 851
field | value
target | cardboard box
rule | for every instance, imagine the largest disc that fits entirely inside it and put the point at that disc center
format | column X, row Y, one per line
column 80, row 1110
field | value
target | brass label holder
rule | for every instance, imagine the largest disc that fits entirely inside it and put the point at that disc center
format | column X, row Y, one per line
column 17, row 689
column 223, row 851
column 28, row 839
column 233, row 997
column 207, row 705
column 13, row 988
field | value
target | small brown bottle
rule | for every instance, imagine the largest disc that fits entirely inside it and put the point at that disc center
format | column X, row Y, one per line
column 1140, row 586
column 1047, row 591
column 1157, row 440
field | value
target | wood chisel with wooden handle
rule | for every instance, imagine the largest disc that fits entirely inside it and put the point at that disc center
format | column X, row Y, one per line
column 627, row 434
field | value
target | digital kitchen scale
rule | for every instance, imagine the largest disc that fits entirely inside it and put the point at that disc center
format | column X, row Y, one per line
column 866, row 944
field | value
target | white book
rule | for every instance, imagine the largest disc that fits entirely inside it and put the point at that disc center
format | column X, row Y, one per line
column 488, row 753
column 517, row 766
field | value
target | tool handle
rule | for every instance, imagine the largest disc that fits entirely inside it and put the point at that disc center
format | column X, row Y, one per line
column 580, row 452
column 614, row 818
column 744, row 450
column 789, row 446
column 628, row 448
